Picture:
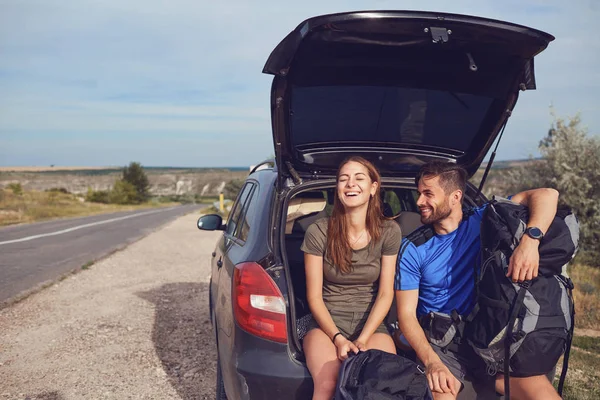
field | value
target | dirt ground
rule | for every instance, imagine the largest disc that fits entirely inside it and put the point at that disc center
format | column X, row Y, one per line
column 133, row 326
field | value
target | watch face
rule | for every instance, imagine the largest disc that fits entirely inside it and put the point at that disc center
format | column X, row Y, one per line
column 535, row 233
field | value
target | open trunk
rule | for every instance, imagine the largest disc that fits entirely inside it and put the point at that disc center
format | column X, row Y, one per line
column 398, row 87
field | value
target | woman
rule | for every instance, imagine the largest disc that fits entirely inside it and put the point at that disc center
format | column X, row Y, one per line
column 350, row 262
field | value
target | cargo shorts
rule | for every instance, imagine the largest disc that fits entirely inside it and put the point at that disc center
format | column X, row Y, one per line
column 349, row 323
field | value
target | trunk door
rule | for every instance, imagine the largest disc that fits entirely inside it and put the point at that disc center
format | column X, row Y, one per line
column 397, row 87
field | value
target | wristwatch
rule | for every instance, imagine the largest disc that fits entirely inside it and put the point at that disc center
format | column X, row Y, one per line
column 534, row 233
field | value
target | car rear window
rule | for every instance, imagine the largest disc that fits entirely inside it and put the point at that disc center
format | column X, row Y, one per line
column 389, row 115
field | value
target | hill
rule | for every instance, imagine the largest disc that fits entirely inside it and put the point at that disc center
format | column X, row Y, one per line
column 164, row 181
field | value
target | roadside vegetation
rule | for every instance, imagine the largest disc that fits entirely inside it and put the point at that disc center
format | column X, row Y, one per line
column 132, row 188
column 128, row 193
column 31, row 206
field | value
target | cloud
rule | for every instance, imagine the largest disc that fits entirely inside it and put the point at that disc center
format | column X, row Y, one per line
column 187, row 67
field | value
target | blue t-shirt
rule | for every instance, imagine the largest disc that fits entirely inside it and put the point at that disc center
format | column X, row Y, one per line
column 442, row 266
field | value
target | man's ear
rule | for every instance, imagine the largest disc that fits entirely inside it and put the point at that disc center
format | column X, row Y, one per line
column 456, row 197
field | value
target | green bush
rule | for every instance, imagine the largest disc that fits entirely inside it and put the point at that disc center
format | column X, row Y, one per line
column 16, row 188
column 97, row 196
column 58, row 190
column 123, row 193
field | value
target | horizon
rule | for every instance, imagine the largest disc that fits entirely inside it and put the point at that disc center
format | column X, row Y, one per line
column 74, row 168
column 100, row 83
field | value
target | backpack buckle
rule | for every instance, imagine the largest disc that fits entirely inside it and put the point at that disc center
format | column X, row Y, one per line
column 455, row 316
column 524, row 284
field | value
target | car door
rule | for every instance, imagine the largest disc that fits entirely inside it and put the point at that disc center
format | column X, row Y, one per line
column 234, row 238
column 223, row 292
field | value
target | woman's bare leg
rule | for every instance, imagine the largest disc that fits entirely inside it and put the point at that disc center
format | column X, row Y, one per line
column 322, row 362
column 382, row 341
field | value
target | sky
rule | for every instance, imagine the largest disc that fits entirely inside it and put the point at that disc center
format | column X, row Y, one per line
column 179, row 82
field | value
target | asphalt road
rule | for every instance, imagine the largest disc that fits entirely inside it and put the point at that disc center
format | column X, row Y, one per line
column 34, row 254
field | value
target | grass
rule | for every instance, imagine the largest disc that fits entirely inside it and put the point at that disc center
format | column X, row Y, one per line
column 33, row 206
column 583, row 377
column 586, row 295
column 87, row 265
column 588, row 343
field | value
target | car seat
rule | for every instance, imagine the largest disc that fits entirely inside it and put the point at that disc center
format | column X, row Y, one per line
column 408, row 221
column 304, row 209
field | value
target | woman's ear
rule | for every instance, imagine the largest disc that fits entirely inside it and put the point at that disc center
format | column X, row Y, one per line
column 374, row 187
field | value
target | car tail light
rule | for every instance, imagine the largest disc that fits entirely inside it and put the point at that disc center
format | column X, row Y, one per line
column 258, row 305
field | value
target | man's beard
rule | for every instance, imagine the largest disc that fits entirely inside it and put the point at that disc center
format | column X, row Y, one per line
column 439, row 213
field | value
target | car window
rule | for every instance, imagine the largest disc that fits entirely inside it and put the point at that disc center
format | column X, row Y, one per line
column 234, row 217
column 386, row 114
column 391, row 201
column 243, row 227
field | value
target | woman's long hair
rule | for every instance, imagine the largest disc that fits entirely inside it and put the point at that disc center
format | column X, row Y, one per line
column 339, row 249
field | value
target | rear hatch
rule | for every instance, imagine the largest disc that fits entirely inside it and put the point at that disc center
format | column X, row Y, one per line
column 397, row 87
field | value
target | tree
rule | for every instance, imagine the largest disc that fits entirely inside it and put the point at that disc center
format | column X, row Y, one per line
column 572, row 166
column 570, row 163
column 135, row 175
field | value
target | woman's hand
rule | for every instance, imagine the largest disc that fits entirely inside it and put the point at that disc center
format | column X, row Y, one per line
column 361, row 344
column 343, row 346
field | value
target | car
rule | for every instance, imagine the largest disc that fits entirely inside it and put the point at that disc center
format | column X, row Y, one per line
column 399, row 88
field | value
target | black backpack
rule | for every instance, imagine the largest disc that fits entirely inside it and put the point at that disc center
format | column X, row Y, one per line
column 522, row 329
column 378, row 375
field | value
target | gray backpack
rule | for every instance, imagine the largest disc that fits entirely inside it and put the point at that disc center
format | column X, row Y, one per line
column 522, row 329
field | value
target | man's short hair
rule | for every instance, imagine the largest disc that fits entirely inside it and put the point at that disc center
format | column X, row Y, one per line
column 452, row 177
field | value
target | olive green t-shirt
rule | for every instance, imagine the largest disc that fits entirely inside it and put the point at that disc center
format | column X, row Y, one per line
column 354, row 291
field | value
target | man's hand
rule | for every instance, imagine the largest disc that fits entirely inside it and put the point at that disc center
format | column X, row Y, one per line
column 525, row 260
column 441, row 379
column 343, row 346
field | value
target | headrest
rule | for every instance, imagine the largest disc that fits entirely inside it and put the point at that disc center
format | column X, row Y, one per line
column 301, row 206
column 409, row 221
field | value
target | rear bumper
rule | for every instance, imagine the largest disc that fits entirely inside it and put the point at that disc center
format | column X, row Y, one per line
column 268, row 375
column 260, row 369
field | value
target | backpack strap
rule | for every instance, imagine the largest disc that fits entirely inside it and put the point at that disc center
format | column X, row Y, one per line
column 443, row 330
column 466, row 215
column 565, row 366
column 517, row 305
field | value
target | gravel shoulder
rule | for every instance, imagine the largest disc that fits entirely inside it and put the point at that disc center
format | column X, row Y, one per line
column 133, row 326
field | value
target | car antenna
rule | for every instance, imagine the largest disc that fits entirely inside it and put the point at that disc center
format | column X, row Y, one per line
column 489, row 164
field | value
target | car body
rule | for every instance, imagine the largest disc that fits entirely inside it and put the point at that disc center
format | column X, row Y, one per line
column 399, row 88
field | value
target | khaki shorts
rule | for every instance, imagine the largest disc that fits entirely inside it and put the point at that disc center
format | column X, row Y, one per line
column 349, row 323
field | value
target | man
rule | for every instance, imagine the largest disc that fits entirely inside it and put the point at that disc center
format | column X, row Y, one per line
column 435, row 275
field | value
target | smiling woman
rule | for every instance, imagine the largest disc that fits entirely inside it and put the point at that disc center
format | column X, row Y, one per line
column 350, row 260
